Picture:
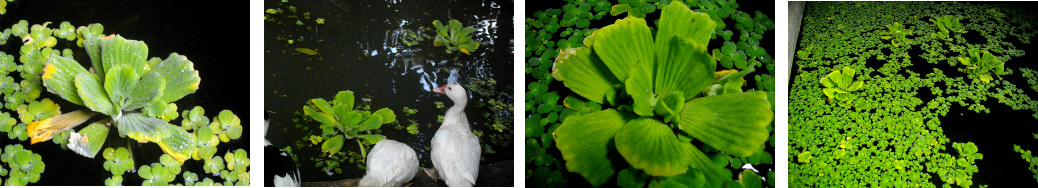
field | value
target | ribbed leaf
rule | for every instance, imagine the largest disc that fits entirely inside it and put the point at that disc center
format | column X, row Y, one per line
column 119, row 82
column 322, row 105
column 93, row 47
column 715, row 175
column 373, row 122
column 95, row 135
column 372, row 138
column 146, row 91
column 333, row 145
column 585, row 74
column 684, row 66
column 387, row 115
column 320, row 117
column 180, row 75
column 733, row 123
column 677, row 20
column 586, row 142
column 344, row 98
column 93, row 95
column 650, row 145
column 625, row 44
column 639, row 86
column 59, row 77
column 173, row 140
column 120, row 51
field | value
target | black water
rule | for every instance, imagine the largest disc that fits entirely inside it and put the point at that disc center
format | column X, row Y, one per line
column 360, row 50
column 206, row 34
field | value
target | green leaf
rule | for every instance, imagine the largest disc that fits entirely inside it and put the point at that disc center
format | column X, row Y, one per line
column 95, row 134
column 671, row 104
column 180, row 75
column 639, row 86
column 320, row 117
column 624, row 45
column 733, row 123
column 387, row 115
column 145, row 92
column 119, row 81
column 173, row 140
column 691, row 178
column 631, row 178
column 333, row 145
column 93, row 95
column 59, row 77
column 344, row 98
column 650, row 145
column 373, row 122
column 586, row 142
column 372, row 138
column 591, row 79
column 120, row 51
column 677, row 20
column 684, row 66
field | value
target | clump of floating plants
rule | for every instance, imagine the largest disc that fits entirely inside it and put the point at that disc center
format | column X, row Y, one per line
column 340, row 120
column 890, row 133
column 121, row 90
column 455, row 37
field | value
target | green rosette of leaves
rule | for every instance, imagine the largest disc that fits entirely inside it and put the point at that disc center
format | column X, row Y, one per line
column 839, row 84
column 340, row 121
column 947, row 24
column 455, row 37
column 122, row 82
column 671, row 82
column 897, row 34
column 983, row 64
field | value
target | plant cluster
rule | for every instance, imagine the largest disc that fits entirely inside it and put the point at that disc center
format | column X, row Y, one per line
column 617, row 87
column 982, row 66
column 341, row 120
column 839, row 85
column 891, row 135
column 897, row 34
column 947, row 24
column 134, row 95
column 455, row 37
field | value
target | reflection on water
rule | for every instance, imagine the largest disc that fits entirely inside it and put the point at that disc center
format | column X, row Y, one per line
column 363, row 48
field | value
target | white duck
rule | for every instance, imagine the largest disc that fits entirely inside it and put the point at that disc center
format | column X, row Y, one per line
column 390, row 164
column 455, row 150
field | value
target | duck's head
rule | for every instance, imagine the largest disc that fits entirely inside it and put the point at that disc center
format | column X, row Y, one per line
column 453, row 91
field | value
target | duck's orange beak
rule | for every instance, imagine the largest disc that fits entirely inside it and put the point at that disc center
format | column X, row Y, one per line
column 440, row 89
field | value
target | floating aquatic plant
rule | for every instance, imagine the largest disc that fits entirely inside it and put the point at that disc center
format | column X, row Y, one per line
column 839, row 84
column 623, row 61
column 123, row 81
column 947, row 24
column 455, row 37
column 117, row 161
column 982, row 65
column 897, row 34
column 26, row 166
column 341, row 120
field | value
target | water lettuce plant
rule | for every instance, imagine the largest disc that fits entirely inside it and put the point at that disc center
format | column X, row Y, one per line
column 341, row 120
column 670, row 81
column 947, row 24
column 982, row 65
column 455, row 37
column 839, row 84
column 897, row 34
column 122, row 82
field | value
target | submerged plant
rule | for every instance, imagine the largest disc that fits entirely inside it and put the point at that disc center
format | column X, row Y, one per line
column 983, row 66
column 897, row 34
column 839, row 84
column 672, row 83
column 455, row 37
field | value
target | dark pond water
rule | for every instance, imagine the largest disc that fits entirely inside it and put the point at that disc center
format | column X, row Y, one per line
column 204, row 34
column 360, row 49
column 994, row 133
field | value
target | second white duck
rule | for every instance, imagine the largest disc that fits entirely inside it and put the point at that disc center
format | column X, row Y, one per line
column 455, row 150
column 390, row 164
